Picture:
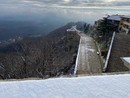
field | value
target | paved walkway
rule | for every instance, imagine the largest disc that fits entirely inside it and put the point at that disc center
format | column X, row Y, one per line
column 88, row 61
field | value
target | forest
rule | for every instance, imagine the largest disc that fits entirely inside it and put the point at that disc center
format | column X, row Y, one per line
column 40, row 57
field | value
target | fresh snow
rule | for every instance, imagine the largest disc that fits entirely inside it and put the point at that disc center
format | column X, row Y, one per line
column 112, row 86
column 91, row 50
column 73, row 29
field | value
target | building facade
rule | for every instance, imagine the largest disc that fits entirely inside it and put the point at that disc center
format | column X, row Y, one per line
column 113, row 21
column 124, row 26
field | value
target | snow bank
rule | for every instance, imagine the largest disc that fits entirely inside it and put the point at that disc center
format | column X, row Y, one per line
column 113, row 86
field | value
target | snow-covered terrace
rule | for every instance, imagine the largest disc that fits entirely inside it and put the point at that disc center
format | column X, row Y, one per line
column 106, row 86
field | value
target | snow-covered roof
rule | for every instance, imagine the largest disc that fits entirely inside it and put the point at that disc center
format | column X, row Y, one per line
column 114, row 17
column 126, row 16
column 127, row 59
column 112, row 86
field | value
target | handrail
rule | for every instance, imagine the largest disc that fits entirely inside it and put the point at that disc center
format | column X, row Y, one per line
column 76, row 65
column 109, row 52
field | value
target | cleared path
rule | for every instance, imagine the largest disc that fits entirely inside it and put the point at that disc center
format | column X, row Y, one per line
column 88, row 62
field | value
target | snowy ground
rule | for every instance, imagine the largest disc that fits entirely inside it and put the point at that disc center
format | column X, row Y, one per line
column 112, row 86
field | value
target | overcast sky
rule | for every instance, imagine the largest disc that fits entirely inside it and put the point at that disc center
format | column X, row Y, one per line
column 67, row 3
column 70, row 9
column 38, row 7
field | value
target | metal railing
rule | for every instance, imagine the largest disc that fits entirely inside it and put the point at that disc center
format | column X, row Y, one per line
column 109, row 52
column 76, row 65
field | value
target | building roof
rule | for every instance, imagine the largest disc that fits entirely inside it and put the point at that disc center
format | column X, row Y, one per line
column 127, row 59
column 126, row 16
column 114, row 17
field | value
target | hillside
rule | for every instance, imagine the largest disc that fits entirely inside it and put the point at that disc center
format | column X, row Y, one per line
column 120, row 48
column 42, row 57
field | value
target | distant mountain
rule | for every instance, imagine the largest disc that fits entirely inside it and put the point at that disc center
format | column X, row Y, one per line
column 14, row 28
column 48, row 56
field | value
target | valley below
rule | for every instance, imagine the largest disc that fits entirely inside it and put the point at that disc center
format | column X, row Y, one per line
column 41, row 57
